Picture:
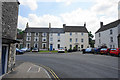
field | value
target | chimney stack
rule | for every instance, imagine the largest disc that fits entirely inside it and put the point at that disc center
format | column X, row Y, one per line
column 101, row 24
column 27, row 25
column 85, row 24
column 49, row 25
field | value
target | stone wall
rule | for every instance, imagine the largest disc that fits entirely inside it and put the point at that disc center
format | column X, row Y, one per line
column 9, row 28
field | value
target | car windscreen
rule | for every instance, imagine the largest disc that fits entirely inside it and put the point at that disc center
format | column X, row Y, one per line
column 104, row 49
column 113, row 49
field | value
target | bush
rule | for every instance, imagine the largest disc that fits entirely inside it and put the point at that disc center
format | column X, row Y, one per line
column 70, row 50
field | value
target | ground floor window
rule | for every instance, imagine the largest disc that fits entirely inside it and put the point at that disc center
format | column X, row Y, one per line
column 36, row 45
column 70, row 46
column 28, row 45
column 82, row 46
column 44, row 45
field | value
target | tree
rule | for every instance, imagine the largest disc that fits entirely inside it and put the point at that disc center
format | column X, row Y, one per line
column 20, row 31
column 91, row 41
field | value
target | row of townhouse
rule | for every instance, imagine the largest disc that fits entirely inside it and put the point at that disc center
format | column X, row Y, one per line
column 54, row 38
column 8, row 27
column 109, row 34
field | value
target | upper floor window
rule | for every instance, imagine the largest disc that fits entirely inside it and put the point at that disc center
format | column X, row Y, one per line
column 70, row 39
column 58, row 40
column 111, row 32
column 28, row 38
column 76, row 40
column 35, row 45
column 44, row 39
column 70, row 33
column 82, row 34
column 111, row 39
column 51, row 34
column 82, row 40
column 82, row 46
column 51, row 39
column 36, row 34
column 44, row 34
column 76, row 33
column 28, row 34
column 58, row 34
column 36, row 38
column 99, row 34
column 99, row 41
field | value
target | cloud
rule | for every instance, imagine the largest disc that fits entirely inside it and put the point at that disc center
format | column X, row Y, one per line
column 105, row 11
column 32, row 4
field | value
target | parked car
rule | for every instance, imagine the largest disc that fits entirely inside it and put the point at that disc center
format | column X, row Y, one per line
column 61, row 50
column 25, row 49
column 88, row 50
column 115, row 51
column 35, row 50
column 18, row 51
column 104, row 51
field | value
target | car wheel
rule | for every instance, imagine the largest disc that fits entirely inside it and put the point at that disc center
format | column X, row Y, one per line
column 119, row 55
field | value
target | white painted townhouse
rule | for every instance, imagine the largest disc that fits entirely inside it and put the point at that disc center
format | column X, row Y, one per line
column 108, row 35
column 68, row 37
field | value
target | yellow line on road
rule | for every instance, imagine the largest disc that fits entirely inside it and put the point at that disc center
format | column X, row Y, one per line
column 51, row 71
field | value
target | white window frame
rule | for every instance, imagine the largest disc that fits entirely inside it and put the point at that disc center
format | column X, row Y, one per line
column 28, row 34
column 44, row 34
column 82, row 40
column 27, row 45
column 43, row 44
column 43, row 39
column 35, row 44
column 27, row 39
column 36, row 38
column 82, row 34
column 37, row 35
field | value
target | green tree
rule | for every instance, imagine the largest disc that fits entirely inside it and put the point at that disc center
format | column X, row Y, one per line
column 20, row 31
column 91, row 41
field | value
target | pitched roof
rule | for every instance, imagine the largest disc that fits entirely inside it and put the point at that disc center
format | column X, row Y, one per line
column 75, row 29
column 32, row 29
column 57, row 30
column 109, row 26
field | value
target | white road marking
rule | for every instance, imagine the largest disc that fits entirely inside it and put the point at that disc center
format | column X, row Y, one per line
column 39, row 69
column 29, row 69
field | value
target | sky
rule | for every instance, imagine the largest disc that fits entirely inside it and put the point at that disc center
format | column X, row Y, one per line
column 39, row 13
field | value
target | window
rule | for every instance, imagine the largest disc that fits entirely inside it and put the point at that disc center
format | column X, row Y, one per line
column 70, row 46
column 99, row 34
column 44, row 34
column 51, row 34
column 76, row 33
column 82, row 40
column 36, row 38
column 44, row 39
column 76, row 40
column 58, row 34
column 99, row 41
column 111, row 31
column 35, row 45
column 58, row 40
column 70, row 39
column 51, row 39
column 82, row 34
column 82, row 46
column 110, row 46
column 58, row 46
column 70, row 33
column 44, row 45
column 36, row 34
column 28, row 45
column 28, row 39
column 28, row 34
column 111, row 39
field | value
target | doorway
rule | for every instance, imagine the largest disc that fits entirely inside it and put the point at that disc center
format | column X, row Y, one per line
column 51, row 47
column 4, row 58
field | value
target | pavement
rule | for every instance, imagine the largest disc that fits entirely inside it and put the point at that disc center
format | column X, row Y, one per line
column 27, row 70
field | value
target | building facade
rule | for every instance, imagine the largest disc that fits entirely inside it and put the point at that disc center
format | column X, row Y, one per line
column 108, row 35
column 9, row 31
column 119, row 10
column 54, row 38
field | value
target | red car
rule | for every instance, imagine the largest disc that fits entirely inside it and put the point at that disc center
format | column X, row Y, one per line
column 115, row 51
column 104, row 51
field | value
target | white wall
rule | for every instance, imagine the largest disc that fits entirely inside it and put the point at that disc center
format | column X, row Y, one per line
column 119, row 10
column 74, row 36
column 105, row 38
column 55, row 40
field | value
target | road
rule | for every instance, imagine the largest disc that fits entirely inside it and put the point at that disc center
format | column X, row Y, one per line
column 75, row 65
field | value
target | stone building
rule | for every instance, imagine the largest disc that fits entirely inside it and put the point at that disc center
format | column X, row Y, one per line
column 54, row 38
column 9, row 31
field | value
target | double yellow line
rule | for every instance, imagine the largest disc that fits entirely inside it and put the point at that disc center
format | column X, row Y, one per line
column 51, row 72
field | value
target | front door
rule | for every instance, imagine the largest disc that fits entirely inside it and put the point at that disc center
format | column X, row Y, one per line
column 4, row 59
column 51, row 47
column 76, row 47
